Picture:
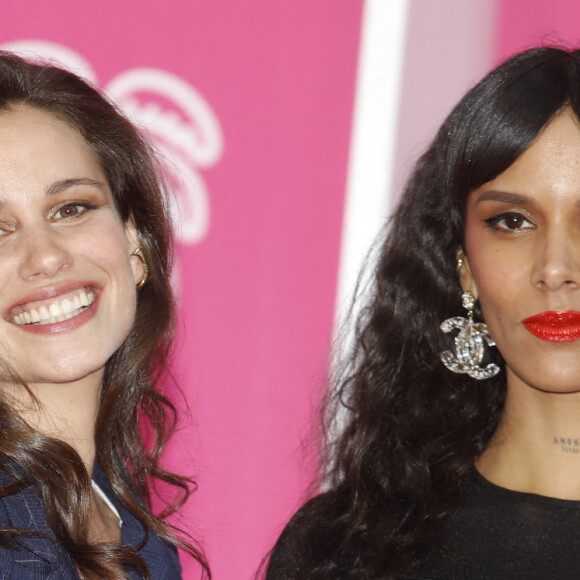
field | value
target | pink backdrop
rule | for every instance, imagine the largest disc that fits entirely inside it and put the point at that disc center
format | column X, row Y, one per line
column 524, row 24
column 258, row 289
column 257, row 116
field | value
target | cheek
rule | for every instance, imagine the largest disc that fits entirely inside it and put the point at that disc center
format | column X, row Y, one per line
column 497, row 292
column 493, row 306
column 500, row 273
column 107, row 246
column 499, row 287
column 504, row 301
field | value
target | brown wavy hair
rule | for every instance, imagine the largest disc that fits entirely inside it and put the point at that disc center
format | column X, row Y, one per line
column 131, row 401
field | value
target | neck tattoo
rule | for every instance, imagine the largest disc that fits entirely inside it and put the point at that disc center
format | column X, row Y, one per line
column 568, row 444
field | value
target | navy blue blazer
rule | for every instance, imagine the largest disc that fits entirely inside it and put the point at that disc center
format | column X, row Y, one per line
column 39, row 557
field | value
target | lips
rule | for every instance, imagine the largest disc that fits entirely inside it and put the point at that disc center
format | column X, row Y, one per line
column 55, row 309
column 555, row 326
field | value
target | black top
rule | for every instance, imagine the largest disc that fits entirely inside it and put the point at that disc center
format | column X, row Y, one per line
column 495, row 534
column 499, row 533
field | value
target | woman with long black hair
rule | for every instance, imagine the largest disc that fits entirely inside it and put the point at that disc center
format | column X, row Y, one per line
column 459, row 454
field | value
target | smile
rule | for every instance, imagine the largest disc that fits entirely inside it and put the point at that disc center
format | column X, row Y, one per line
column 57, row 309
column 555, row 326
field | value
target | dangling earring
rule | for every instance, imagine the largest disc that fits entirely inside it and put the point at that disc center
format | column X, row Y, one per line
column 139, row 254
column 469, row 343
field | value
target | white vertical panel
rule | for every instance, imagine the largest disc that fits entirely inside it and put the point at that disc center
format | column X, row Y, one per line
column 373, row 136
column 449, row 47
column 417, row 58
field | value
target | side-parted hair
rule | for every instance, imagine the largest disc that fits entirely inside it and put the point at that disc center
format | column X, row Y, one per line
column 131, row 402
column 413, row 429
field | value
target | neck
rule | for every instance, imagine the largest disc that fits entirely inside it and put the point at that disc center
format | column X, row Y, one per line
column 65, row 411
column 536, row 448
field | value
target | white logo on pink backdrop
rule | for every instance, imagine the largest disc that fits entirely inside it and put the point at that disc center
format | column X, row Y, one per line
column 174, row 116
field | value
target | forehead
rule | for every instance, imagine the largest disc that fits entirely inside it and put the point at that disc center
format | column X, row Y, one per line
column 37, row 148
column 20, row 123
column 550, row 165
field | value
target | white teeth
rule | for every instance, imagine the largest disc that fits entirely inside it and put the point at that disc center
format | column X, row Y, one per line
column 84, row 299
column 56, row 312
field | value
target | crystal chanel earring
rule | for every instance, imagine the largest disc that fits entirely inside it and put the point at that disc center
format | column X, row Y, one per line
column 469, row 343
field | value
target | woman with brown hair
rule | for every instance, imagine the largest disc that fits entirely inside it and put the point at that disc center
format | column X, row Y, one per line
column 457, row 459
column 87, row 321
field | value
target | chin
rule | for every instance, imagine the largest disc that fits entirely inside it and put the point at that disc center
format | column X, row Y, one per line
column 64, row 378
column 63, row 370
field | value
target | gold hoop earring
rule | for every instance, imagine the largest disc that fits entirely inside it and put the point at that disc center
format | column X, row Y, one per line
column 139, row 254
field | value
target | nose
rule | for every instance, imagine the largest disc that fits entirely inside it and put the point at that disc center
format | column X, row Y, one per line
column 43, row 255
column 558, row 262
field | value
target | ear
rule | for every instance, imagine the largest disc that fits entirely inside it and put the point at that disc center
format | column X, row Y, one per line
column 466, row 279
column 133, row 242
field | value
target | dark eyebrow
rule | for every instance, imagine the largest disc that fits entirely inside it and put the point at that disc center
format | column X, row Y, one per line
column 64, row 184
column 505, row 197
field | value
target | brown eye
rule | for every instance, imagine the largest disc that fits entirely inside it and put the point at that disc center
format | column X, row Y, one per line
column 71, row 211
column 514, row 221
column 509, row 221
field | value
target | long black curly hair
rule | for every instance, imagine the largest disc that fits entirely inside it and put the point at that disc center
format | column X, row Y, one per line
column 412, row 429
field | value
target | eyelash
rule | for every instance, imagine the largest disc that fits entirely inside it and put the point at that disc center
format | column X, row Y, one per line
column 84, row 207
column 496, row 220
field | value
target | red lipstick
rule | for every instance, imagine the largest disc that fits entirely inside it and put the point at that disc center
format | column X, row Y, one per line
column 555, row 326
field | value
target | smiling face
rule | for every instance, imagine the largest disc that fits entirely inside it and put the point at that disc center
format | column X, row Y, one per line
column 522, row 241
column 67, row 282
